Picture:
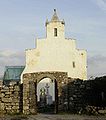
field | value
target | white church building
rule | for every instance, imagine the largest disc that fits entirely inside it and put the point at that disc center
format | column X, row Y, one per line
column 56, row 53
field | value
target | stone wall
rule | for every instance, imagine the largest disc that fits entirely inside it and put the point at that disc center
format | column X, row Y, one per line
column 84, row 96
column 11, row 99
column 30, row 81
column 1, row 83
column 71, row 95
column 74, row 98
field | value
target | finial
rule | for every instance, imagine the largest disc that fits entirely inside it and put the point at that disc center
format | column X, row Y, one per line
column 54, row 10
column 63, row 22
column 55, row 17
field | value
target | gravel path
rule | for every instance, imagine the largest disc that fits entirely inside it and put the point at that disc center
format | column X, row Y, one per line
column 52, row 117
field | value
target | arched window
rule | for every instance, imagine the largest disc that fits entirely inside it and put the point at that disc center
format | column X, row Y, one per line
column 55, row 32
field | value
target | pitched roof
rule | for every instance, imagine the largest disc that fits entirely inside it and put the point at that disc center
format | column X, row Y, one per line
column 55, row 17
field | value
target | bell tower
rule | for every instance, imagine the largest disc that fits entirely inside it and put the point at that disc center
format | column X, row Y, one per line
column 55, row 28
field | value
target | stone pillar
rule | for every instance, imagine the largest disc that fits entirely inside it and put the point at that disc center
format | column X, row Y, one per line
column 25, row 95
column 32, row 98
column 29, row 95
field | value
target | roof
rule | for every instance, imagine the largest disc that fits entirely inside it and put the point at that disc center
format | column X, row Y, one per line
column 55, row 17
column 13, row 72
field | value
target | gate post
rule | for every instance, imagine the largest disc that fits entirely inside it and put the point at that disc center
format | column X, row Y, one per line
column 32, row 98
column 29, row 95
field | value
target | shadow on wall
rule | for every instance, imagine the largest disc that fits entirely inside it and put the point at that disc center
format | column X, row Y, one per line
column 77, row 96
column 81, row 96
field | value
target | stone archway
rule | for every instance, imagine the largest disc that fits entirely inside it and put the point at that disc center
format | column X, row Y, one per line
column 47, row 75
column 30, row 81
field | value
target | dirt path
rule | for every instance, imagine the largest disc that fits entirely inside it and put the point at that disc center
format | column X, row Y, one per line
column 53, row 117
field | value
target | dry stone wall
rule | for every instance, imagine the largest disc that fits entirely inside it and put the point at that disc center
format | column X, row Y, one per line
column 1, row 83
column 71, row 95
column 11, row 99
column 85, row 96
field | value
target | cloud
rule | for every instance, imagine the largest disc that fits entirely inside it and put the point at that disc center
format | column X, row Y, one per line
column 101, row 4
column 96, row 65
column 11, row 58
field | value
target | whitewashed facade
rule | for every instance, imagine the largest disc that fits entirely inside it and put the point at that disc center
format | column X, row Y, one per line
column 56, row 53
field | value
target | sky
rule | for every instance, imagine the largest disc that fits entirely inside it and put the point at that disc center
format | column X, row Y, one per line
column 22, row 21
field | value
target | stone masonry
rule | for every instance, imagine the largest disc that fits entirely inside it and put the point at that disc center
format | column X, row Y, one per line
column 74, row 96
column 30, row 81
column 1, row 83
column 10, row 99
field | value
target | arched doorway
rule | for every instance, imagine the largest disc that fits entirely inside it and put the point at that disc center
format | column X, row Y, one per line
column 30, row 82
column 46, row 95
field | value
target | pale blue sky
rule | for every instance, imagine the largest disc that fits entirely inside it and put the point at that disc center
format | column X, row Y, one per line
column 22, row 21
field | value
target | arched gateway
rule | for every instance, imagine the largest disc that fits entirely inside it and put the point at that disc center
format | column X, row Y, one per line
column 54, row 57
column 30, row 81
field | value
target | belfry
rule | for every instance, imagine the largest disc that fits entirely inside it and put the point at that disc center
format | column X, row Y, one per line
column 56, row 59
column 55, row 53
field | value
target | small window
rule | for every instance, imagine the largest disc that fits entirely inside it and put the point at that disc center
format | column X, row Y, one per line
column 73, row 64
column 81, row 53
column 55, row 32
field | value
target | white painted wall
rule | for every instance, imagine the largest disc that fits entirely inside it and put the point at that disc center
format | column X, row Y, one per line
column 56, row 54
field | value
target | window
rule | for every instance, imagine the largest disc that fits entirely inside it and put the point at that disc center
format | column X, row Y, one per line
column 55, row 32
column 73, row 64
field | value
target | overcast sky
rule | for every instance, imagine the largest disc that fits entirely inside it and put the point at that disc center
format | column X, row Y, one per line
column 22, row 21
